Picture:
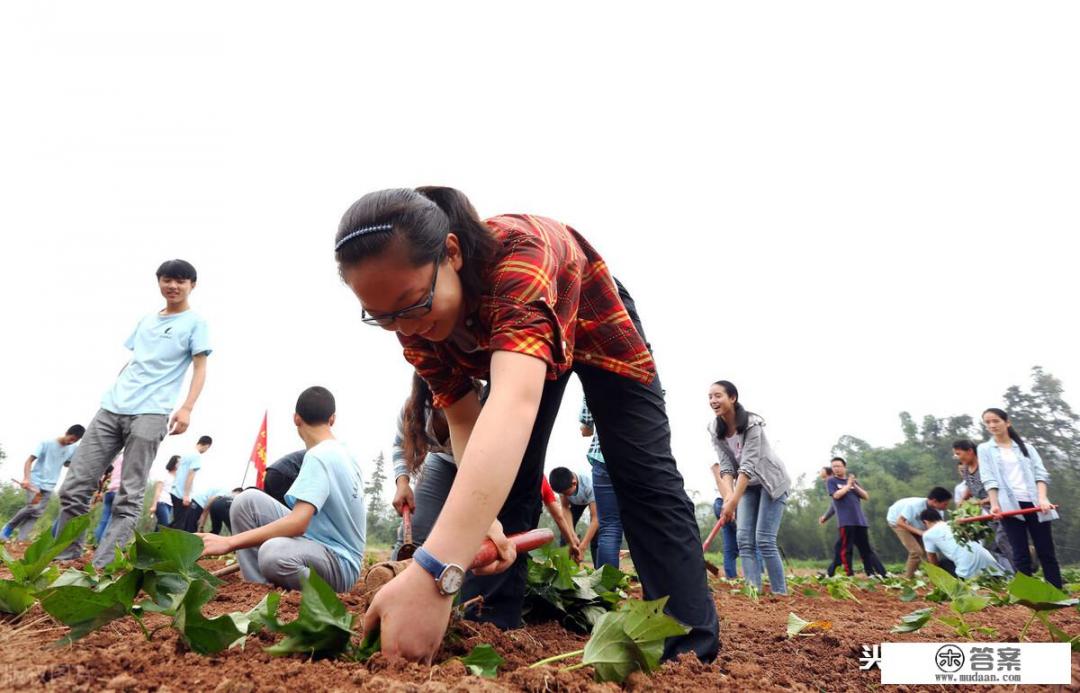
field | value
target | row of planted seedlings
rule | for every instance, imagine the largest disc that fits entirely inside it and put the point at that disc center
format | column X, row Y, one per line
column 159, row 574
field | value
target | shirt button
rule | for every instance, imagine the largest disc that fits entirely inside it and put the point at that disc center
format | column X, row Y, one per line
column 588, row 357
column 468, row 322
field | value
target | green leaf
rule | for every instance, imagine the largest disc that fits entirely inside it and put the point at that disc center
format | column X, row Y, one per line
column 371, row 644
column 14, row 597
column 85, row 609
column 912, row 622
column 72, row 576
column 909, row 594
column 203, row 635
column 969, row 603
column 483, row 661
column 630, row 639
column 840, row 591
column 45, row 548
column 1038, row 594
column 168, row 551
column 610, row 650
column 810, row 592
column 1057, row 634
column 941, row 580
column 323, row 627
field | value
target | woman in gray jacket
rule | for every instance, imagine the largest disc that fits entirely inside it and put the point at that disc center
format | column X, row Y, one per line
column 760, row 488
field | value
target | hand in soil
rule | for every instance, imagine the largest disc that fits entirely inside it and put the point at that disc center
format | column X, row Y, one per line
column 411, row 616
column 213, row 545
column 507, row 552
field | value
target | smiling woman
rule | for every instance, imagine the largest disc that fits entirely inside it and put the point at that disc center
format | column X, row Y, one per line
column 520, row 301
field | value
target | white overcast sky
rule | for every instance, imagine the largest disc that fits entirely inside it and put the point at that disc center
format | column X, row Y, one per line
column 849, row 209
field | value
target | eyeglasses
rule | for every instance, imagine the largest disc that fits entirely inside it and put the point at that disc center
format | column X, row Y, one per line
column 418, row 310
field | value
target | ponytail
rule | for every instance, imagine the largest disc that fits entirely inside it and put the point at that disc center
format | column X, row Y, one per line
column 1001, row 414
column 478, row 246
column 414, row 425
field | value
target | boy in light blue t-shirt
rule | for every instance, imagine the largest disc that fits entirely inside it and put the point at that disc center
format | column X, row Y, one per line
column 186, row 509
column 322, row 525
column 970, row 558
column 135, row 412
column 40, row 474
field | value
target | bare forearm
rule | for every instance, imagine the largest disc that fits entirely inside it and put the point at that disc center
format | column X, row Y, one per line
column 188, row 483
column 740, row 488
column 726, row 488
column 491, row 459
column 594, row 526
column 288, row 526
column 560, row 520
column 198, row 380
column 27, row 466
column 1042, row 490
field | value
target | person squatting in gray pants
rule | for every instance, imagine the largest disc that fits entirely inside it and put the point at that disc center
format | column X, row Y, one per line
column 281, row 561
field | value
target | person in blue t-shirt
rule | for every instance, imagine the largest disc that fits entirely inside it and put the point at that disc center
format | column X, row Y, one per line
column 904, row 520
column 186, row 510
column 40, row 474
column 322, row 525
column 576, row 490
column 969, row 559
column 847, row 497
column 135, row 412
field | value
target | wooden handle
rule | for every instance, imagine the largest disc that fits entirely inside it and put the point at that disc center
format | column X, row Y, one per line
column 406, row 523
column 712, row 535
column 1007, row 513
column 523, row 542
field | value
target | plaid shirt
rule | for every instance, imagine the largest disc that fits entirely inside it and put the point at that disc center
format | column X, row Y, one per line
column 547, row 293
column 594, row 454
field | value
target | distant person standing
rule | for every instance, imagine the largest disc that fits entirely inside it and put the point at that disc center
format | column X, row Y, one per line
column 824, row 475
column 110, row 495
column 40, row 474
column 854, row 529
column 163, row 481
column 185, row 512
column 1015, row 478
column 135, row 412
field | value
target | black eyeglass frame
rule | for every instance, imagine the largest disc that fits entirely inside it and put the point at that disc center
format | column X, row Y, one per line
column 417, row 310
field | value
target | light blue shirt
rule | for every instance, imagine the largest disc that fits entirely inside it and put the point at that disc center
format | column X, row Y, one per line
column 970, row 558
column 910, row 509
column 162, row 346
column 51, row 456
column 188, row 463
column 330, row 480
column 1031, row 467
column 203, row 495
column 584, row 494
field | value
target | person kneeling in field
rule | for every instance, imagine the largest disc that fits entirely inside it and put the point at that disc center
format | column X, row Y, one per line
column 970, row 558
column 322, row 525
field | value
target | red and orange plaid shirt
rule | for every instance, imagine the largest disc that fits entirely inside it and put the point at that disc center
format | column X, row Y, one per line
column 548, row 294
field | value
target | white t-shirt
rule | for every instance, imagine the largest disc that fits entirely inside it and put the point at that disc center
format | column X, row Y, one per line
column 167, row 480
column 1014, row 475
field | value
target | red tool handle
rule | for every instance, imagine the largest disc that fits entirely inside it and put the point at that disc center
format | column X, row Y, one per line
column 523, row 542
column 406, row 523
column 712, row 535
column 1007, row 513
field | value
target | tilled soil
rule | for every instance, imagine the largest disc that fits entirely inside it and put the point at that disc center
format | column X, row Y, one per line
column 756, row 653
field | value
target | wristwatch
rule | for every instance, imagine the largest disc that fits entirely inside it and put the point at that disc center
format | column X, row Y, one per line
column 448, row 576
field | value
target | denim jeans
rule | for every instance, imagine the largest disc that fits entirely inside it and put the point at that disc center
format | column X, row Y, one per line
column 729, row 532
column 106, row 515
column 163, row 514
column 609, row 535
column 759, row 522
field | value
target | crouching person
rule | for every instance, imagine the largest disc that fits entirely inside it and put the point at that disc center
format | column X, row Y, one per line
column 970, row 558
column 322, row 525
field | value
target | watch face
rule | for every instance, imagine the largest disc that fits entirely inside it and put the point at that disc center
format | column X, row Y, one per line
column 451, row 579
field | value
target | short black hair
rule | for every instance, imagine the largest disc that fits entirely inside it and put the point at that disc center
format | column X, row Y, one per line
column 177, row 269
column 238, row 489
column 841, row 460
column 940, row 493
column 964, row 444
column 561, row 479
column 827, row 470
column 930, row 515
column 316, row 405
column 76, row 430
column 205, row 440
column 170, row 466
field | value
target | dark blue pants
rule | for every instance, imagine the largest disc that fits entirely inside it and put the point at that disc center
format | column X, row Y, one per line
column 609, row 536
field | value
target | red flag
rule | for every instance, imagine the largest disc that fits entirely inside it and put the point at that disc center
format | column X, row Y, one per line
column 258, row 455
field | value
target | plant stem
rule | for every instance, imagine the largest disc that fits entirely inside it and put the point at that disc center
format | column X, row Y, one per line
column 575, row 666
column 556, row 658
column 1027, row 625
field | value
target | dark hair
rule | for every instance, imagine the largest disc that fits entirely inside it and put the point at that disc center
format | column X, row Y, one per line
column 841, row 460
column 1000, row 413
column 741, row 417
column 177, row 269
column 205, row 440
column 827, row 470
column 418, row 407
column 421, row 218
column 939, row 493
column 964, row 444
column 238, row 489
column 170, row 466
column 315, row 405
column 930, row 515
column 561, row 479
column 76, row 430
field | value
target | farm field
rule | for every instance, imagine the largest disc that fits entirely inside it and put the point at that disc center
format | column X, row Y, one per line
column 757, row 653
